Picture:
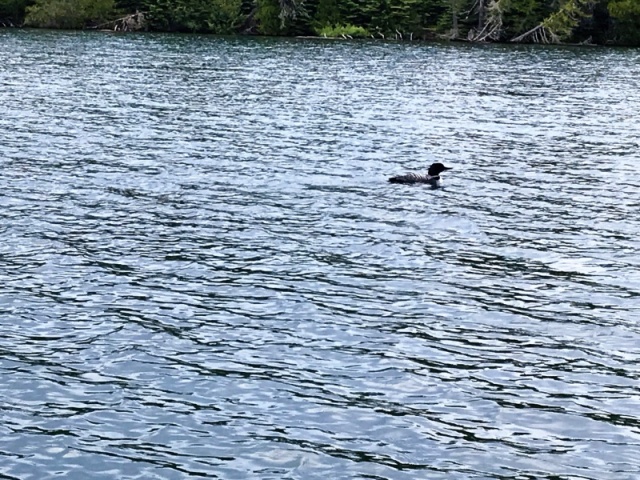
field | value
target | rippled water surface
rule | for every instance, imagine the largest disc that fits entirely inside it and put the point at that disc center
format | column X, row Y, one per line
column 205, row 273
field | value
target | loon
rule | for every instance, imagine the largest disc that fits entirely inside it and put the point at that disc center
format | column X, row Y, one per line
column 432, row 177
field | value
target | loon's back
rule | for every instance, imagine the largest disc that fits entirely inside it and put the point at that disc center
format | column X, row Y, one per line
column 431, row 178
column 410, row 178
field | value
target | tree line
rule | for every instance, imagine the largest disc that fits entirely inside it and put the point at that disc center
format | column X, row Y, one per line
column 532, row 21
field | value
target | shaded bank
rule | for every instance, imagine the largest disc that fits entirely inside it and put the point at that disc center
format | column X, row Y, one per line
column 614, row 22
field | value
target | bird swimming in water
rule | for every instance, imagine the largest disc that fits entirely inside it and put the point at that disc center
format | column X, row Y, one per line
column 431, row 178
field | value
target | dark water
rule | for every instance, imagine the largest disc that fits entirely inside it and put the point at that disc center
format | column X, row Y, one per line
column 205, row 273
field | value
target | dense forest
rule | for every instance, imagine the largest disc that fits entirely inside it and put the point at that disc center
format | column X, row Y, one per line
column 534, row 21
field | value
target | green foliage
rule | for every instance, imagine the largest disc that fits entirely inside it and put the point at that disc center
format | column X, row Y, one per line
column 625, row 9
column 68, row 13
column 355, row 12
column 403, row 16
column 268, row 17
column 12, row 12
column 131, row 6
column 452, row 15
column 563, row 21
column 626, row 21
column 282, row 17
column 327, row 13
column 347, row 30
column 602, row 21
column 522, row 15
column 290, row 10
column 211, row 16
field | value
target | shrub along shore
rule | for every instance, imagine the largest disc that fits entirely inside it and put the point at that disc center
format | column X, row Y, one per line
column 603, row 22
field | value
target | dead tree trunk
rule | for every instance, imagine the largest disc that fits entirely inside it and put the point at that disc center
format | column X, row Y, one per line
column 455, row 30
column 481, row 15
column 489, row 22
column 128, row 23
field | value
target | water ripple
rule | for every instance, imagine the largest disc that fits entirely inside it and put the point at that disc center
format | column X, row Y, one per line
column 205, row 273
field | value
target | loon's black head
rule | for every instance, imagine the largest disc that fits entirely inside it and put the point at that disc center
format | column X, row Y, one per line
column 436, row 169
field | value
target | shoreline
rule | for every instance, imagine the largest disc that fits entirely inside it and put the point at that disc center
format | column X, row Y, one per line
column 318, row 37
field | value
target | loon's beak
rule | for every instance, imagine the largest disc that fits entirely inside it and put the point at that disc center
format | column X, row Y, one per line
column 448, row 168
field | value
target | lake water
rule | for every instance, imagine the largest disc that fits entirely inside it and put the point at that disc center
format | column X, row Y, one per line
column 204, row 272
